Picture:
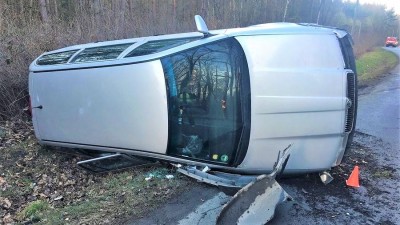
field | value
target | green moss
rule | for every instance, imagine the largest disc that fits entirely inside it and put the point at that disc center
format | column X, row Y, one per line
column 373, row 64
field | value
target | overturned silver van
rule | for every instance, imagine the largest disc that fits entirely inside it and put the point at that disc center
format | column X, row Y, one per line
column 227, row 99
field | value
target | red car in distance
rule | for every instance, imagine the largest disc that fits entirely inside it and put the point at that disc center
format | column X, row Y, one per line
column 391, row 41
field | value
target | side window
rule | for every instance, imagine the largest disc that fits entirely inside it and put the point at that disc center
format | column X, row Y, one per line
column 55, row 58
column 204, row 92
column 100, row 53
column 158, row 46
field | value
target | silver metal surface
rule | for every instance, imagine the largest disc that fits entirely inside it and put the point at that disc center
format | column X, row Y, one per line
column 256, row 202
column 124, row 107
column 326, row 177
column 201, row 25
column 298, row 96
column 99, row 158
column 217, row 179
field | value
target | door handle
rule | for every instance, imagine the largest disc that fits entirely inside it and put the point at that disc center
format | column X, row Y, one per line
column 38, row 107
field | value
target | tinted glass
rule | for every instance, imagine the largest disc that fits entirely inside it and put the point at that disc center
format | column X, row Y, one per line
column 101, row 53
column 204, row 91
column 56, row 58
column 158, row 46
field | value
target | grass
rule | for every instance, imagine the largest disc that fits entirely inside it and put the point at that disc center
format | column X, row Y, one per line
column 373, row 64
column 33, row 209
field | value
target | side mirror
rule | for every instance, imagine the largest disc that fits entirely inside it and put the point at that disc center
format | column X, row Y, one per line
column 201, row 26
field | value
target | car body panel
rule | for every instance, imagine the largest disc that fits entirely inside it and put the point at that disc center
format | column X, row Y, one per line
column 298, row 97
column 101, row 106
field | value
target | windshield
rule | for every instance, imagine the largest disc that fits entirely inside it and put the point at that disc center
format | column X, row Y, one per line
column 205, row 101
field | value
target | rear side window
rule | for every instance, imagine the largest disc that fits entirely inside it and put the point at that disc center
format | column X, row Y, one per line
column 158, row 46
column 100, row 53
column 55, row 58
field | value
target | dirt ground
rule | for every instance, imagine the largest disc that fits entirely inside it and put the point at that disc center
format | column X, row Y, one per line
column 376, row 201
column 44, row 185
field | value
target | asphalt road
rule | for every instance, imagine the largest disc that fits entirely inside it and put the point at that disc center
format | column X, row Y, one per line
column 375, row 149
column 378, row 109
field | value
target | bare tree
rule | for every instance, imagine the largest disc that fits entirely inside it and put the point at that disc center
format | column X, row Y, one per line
column 43, row 11
column 321, row 5
column 285, row 12
column 354, row 16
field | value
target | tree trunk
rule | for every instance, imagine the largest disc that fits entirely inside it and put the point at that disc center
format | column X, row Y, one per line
column 285, row 12
column 30, row 10
column 174, row 13
column 266, row 12
column 97, row 20
column 43, row 11
column 321, row 5
column 121, row 20
column 55, row 9
column 354, row 17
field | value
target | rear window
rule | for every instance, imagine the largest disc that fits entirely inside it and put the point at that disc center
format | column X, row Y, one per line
column 55, row 58
column 158, row 46
column 101, row 53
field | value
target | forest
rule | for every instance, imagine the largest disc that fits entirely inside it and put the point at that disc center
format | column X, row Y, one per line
column 30, row 27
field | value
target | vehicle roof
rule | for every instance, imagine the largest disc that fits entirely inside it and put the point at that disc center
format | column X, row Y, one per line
column 260, row 29
column 267, row 28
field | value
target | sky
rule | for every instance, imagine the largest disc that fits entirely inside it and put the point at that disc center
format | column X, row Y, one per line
column 395, row 4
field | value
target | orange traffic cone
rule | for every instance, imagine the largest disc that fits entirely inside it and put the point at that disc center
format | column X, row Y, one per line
column 353, row 179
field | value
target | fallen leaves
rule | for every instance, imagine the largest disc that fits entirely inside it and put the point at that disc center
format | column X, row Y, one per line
column 5, row 203
column 7, row 219
column 14, row 132
column 2, row 181
column 31, row 173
